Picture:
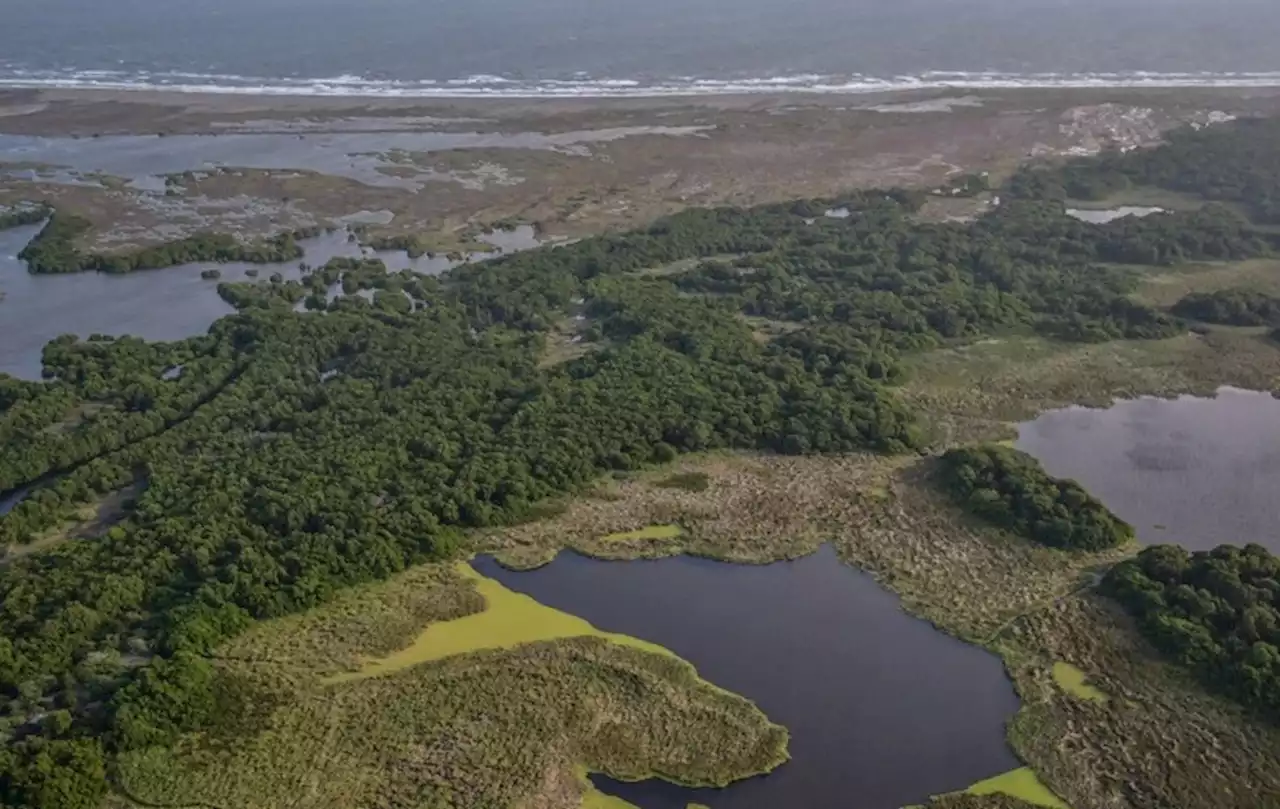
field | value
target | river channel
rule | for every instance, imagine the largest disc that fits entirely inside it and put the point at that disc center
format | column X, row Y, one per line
column 1198, row 472
column 880, row 705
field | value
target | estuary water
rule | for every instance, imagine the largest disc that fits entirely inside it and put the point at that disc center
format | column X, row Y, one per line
column 621, row 47
column 168, row 304
column 1198, row 472
column 879, row 704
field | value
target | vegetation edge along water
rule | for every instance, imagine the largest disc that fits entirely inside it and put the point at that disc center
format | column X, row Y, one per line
column 442, row 415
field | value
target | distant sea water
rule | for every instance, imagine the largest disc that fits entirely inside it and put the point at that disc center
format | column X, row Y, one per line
column 530, row 48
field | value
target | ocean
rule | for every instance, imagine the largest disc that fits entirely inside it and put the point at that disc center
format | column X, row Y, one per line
column 632, row 47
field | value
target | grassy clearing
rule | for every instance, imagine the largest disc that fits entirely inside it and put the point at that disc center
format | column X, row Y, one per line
column 648, row 532
column 89, row 521
column 1075, row 682
column 1022, row 784
column 689, row 481
column 509, row 619
column 1166, row 288
column 1142, row 197
column 980, row 392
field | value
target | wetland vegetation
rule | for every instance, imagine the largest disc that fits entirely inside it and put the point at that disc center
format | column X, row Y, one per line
column 302, row 464
column 55, row 250
column 1215, row 612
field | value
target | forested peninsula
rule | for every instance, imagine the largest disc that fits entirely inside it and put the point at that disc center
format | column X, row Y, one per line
column 55, row 248
column 300, row 452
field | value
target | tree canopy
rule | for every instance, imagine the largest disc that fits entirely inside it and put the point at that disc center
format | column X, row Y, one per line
column 343, row 426
column 1215, row 612
column 1011, row 489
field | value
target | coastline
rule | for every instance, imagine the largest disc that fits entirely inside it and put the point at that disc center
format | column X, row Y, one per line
column 82, row 112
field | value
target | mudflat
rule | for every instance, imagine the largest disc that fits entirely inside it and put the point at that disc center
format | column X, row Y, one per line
column 438, row 169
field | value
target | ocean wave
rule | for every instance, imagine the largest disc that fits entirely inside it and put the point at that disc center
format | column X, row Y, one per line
column 494, row 86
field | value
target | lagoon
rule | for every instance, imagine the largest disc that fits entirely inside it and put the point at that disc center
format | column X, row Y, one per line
column 879, row 704
column 1194, row 471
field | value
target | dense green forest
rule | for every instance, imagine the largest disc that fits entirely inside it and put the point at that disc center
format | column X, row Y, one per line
column 1230, row 307
column 1216, row 612
column 341, row 427
column 54, row 249
column 1236, row 163
column 1011, row 489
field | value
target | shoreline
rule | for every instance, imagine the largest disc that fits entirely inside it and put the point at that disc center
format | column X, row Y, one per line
column 84, row 112
column 491, row 86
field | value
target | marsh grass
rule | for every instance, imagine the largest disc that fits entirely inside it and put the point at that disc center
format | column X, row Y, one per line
column 486, row 713
column 1166, row 288
column 688, row 481
column 982, row 391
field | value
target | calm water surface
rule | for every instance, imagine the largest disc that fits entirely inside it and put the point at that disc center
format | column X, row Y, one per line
column 880, row 705
column 143, row 159
column 1193, row 471
column 168, row 304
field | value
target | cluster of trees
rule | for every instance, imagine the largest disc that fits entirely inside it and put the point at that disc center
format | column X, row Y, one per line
column 1235, row 163
column 1216, row 612
column 1231, row 307
column 301, row 452
column 20, row 215
column 55, row 249
column 1011, row 489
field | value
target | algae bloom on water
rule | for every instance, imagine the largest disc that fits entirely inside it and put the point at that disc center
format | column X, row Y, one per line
column 508, row 620
column 1022, row 784
column 649, row 532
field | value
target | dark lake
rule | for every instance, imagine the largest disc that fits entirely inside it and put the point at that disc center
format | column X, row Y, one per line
column 1198, row 472
column 168, row 304
column 880, row 705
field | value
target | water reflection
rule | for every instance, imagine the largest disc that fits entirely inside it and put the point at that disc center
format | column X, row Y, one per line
column 1195, row 471
column 880, row 705
column 1102, row 217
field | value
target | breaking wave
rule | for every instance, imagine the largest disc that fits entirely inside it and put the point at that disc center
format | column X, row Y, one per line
column 490, row 86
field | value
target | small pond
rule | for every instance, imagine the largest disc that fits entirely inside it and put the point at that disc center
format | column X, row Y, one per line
column 1097, row 216
column 879, row 704
column 168, row 304
column 1194, row 471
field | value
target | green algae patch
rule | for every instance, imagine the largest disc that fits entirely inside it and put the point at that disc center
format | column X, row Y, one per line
column 1022, row 784
column 1075, row 682
column 651, row 532
column 509, row 619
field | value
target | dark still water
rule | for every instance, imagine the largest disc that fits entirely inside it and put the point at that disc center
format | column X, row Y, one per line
column 880, row 705
column 1193, row 471
column 595, row 47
